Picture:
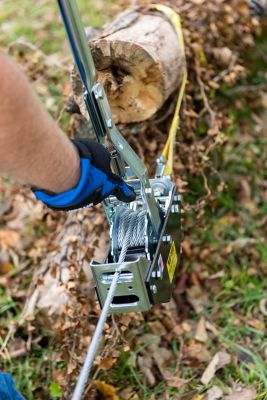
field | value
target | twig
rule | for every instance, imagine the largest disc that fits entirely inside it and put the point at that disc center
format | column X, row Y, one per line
column 226, row 71
column 180, row 356
column 247, row 88
column 49, row 61
column 206, row 184
column 166, row 115
column 60, row 114
column 203, row 94
column 9, row 335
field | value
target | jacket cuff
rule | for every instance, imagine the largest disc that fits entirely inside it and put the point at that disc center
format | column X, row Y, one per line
column 78, row 197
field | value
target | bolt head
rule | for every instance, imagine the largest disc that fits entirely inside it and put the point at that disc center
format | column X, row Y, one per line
column 109, row 123
column 148, row 191
column 153, row 289
column 156, row 274
column 177, row 197
column 159, row 274
column 175, row 209
column 99, row 92
column 167, row 239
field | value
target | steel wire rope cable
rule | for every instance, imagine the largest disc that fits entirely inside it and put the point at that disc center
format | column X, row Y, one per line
column 124, row 237
column 134, row 220
column 137, row 221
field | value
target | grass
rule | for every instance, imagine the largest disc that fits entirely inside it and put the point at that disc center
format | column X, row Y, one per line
column 40, row 22
column 33, row 374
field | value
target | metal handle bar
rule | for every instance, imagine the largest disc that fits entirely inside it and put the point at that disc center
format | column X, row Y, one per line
column 98, row 106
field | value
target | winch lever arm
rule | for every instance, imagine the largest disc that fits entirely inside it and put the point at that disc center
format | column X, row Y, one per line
column 99, row 110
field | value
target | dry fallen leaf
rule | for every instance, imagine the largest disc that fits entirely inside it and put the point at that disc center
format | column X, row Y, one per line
column 263, row 307
column 145, row 364
column 226, row 220
column 127, row 394
column 186, row 326
column 71, row 367
column 177, row 382
column 219, row 360
column 210, row 327
column 5, row 267
column 240, row 244
column 256, row 323
column 157, row 328
column 161, row 356
column 194, row 350
column 214, row 393
column 201, row 332
column 107, row 363
column 5, row 205
column 242, row 394
column 108, row 392
column 8, row 238
column 151, row 341
column 198, row 397
column 3, row 281
column 18, row 348
column 223, row 55
column 186, row 248
column 197, row 298
column 217, row 275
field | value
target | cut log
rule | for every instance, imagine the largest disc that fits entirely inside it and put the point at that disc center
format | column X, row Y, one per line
column 59, row 282
column 139, row 60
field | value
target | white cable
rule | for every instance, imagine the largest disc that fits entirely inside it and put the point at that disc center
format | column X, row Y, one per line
column 84, row 374
column 91, row 353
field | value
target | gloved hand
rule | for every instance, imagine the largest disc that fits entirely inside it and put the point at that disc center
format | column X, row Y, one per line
column 8, row 388
column 97, row 181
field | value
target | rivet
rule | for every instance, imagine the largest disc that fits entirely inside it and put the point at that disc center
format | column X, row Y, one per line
column 175, row 209
column 167, row 239
column 153, row 289
column 177, row 197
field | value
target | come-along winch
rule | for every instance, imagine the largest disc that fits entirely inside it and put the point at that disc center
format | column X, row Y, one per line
column 145, row 235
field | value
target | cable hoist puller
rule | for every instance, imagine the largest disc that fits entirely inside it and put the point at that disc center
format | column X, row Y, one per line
column 145, row 235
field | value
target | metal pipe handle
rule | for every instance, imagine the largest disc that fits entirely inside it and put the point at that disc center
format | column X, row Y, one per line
column 98, row 106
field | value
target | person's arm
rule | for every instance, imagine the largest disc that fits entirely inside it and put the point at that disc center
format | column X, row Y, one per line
column 64, row 175
column 33, row 149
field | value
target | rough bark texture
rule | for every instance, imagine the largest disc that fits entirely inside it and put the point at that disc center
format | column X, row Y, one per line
column 59, row 281
column 139, row 60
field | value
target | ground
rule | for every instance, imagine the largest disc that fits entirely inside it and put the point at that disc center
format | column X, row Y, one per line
column 219, row 306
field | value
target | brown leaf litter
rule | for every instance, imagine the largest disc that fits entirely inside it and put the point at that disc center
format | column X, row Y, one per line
column 219, row 361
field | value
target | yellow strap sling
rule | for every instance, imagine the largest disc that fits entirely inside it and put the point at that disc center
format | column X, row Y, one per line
column 169, row 146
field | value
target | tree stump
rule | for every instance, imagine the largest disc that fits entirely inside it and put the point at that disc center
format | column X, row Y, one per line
column 139, row 60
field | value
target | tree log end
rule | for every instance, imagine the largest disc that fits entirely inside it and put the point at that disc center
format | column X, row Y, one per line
column 140, row 63
column 134, row 84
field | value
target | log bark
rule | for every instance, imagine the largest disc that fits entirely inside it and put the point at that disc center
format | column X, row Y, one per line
column 64, row 276
column 140, row 62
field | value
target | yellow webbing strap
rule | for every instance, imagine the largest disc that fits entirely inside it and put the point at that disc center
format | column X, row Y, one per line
column 169, row 146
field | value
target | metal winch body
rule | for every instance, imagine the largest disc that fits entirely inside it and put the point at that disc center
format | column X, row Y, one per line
column 148, row 269
column 145, row 234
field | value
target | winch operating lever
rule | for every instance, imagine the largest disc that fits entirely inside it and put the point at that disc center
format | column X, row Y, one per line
column 99, row 110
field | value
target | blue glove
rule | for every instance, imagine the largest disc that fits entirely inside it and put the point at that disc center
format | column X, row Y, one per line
column 96, row 183
column 8, row 389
